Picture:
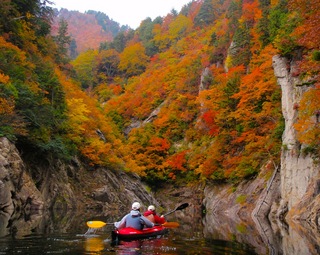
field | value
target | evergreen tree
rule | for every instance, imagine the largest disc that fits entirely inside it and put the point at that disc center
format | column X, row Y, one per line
column 63, row 41
column 73, row 49
column 205, row 15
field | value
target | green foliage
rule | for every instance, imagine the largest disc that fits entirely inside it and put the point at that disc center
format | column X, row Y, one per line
column 241, row 228
column 241, row 50
column 63, row 41
column 206, row 14
column 311, row 149
column 316, row 55
column 119, row 42
column 105, row 22
column 117, row 119
column 241, row 199
column 73, row 49
column 14, row 11
column 263, row 27
column 281, row 26
column 277, row 20
column 106, row 65
column 145, row 33
column 84, row 67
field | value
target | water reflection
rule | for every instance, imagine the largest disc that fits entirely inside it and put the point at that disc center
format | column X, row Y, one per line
column 266, row 237
column 63, row 233
column 94, row 244
column 299, row 239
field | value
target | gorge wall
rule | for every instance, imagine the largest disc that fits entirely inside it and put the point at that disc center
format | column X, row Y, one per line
column 292, row 191
column 55, row 187
column 283, row 207
column 300, row 175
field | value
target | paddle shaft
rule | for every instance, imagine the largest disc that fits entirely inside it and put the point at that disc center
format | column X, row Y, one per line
column 180, row 207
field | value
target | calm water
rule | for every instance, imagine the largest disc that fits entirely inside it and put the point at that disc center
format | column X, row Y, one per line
column 64, row 234
column 73, row 243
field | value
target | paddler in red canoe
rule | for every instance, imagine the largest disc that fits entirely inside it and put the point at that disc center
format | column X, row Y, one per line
column 134, row 219
column 151, row 215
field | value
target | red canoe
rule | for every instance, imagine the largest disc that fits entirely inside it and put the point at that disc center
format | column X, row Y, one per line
column 131, row 233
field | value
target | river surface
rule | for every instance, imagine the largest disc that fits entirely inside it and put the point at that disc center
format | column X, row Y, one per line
column 66, row 235
column 73, row 243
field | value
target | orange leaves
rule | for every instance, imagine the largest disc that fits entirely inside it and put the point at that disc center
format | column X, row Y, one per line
column 308, row 124
column 251, row 12
column 259, row 85
column 148, row 152
column 4, row 79
column 159, row 145
column 308, row 31
column 6, row 106
column 242, row 111
column 308, row 36
column 9, row 118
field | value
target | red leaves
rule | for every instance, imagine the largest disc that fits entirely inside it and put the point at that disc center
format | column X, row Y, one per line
column 209, row 119
column 178, row 161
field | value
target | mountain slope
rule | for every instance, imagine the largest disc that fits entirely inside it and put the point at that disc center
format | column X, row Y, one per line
column 87, row 29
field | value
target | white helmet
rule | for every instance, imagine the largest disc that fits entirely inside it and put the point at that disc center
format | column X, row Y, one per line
column 151, row 208
column 136, row 206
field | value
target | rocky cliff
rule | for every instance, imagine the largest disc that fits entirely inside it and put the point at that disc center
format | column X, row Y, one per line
column 267, row 204
column 27, row 189
column 300, row 175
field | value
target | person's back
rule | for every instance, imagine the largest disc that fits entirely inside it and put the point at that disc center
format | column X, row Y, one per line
column 134, row 219
column 151, row 215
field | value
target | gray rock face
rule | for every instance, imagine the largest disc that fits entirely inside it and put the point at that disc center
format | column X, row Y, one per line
column 298, row 171
column 36, row 189
column 17, row 190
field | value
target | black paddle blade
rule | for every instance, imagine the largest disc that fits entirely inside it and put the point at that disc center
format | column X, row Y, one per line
column 180, row 207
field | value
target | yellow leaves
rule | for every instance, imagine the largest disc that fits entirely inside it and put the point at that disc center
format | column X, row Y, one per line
column 88, row 128
column 179, row 27
column 83, row 65
column 165, row 36
column 133, row 59
column 77, row 111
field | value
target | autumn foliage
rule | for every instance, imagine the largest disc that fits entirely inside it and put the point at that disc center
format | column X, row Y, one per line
column 186, row 97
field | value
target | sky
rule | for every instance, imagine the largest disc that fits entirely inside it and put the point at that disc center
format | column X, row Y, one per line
column 125, row 12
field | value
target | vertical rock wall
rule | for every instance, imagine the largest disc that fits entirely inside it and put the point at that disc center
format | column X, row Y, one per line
column 298, row 171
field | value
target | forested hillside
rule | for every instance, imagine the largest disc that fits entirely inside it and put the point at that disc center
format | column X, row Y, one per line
column 186, row 97
column 86, row 30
